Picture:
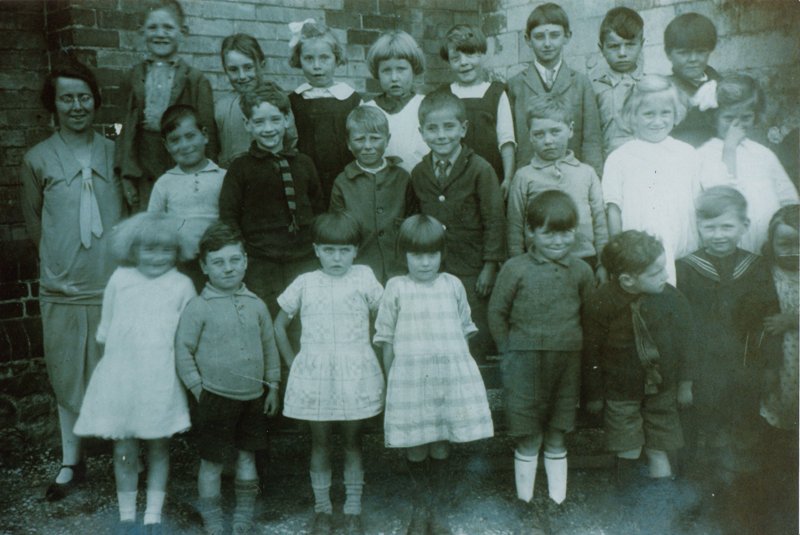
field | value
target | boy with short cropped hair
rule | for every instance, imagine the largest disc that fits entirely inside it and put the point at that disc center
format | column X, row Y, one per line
column 375, row 190
column 716, row 279
column 554, row 166
column 689, row 40
column 546, row 33
column 621, row 40
column 461, row 190
column 638, row 352
column 190, row 190
column 270, row 195
column 225, row 352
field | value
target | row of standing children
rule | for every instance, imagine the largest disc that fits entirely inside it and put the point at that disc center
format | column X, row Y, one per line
column 453, row 184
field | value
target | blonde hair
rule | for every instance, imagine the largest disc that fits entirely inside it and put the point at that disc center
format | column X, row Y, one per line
column 317, row 30
column 648, row 87
column 145, row 228
column 395, row 44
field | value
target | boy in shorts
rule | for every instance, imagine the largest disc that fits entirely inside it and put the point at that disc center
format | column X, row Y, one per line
column 638, row 351
column 225, row 352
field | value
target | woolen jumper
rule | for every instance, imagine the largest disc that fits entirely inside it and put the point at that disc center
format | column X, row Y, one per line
column 612, row 369
column 253, row 200
column 226, row 343
column 536, row 303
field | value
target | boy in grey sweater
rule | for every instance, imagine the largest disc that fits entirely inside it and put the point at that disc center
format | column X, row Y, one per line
column 225, row 353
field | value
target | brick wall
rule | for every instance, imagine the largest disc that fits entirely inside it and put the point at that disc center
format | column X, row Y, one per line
column 760, row 38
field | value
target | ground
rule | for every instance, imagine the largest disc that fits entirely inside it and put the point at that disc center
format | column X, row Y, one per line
column 483, row 495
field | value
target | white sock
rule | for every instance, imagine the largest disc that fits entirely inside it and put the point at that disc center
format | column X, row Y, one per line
column 321, row 485
column 525, row 474
column 155, row 502
column 127, row 506
column 658, row 461
column 555, row 464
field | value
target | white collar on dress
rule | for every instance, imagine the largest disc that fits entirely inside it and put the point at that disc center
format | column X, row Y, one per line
column 339, row 91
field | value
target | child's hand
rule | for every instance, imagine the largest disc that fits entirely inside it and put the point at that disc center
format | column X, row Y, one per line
column 196, row 391
column 130, row 192
column 735, row 135
column 505, row 185
column 272, row 402
column 594, row 407
column 685, row 397
column 601, row 275
column 780, row 323
column 486, row 279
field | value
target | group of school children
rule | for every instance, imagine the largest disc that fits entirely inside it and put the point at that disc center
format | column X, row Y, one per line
column 437, row 229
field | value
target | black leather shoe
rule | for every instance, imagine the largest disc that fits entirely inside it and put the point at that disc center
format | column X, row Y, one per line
column 59, row 491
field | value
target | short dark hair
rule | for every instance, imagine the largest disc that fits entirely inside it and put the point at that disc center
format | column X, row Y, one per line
column 692, row 31
column 717, row 200
column 421, row 234
column 465, row 38
column 552, row 210
column 549, row 13
column 69, row 69
column 338, row 227
column 217, row 236
column 316, row 30
column 172, row 6
column 624, row 22
column 631, row 252
column 174, row 115
column 265, row 91
column 438, row 99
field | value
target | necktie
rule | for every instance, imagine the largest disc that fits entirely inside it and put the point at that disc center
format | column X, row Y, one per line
column 441, row 169
column 646, row 348
column 288, row 188
column 89, row 217
column 551, row 78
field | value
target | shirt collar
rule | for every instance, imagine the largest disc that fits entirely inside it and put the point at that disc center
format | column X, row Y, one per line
column 605, row 74
column 172, row 62
column 543, row 70
column 452, row 159
column 353, row 170
column 539, row 259
column 569, row 159
column 258, row 152
column 210, row 167
column 210, row 292
column 72, row 167
column 339, row 90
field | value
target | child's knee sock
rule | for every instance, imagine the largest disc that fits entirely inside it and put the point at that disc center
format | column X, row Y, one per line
column 441, row 481
column 210, row 509
column 246, row 491
column 321, row 484
column 555, row 464
column 155, row 503
column 353, row 488
column 127, row 506
column 420, row 477
column 525, row 474
column 658, row 462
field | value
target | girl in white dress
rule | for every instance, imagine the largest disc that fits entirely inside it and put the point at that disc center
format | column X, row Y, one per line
column 650, row 182
column 134, row 393
column 435, row 393
column 395, row 59
column 335, row 377
column 733, row 159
